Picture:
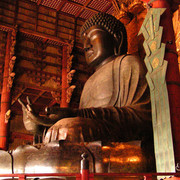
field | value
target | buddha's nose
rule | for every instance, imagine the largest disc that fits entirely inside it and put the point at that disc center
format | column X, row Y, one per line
column 87, row 44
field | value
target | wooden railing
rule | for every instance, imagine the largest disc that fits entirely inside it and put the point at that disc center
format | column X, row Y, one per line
column 85, row 175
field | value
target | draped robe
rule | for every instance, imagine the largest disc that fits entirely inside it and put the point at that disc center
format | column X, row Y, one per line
column 114, row 105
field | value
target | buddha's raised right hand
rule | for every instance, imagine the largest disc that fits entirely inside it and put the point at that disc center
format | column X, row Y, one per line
column 30, row 118
column 35, row 123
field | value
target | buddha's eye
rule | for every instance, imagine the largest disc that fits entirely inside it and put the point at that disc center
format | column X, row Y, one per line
column 87, row 48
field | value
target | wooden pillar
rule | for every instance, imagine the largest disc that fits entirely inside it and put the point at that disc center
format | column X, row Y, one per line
column 64, row 83
column 5, row 98
column 172, row 75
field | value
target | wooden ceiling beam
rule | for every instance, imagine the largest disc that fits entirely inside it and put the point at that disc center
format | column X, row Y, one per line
column 36, row 23
column 6, row 28
column 116, row 5
column 33, row 86
column 82, row 8
column 17, row 96
column 108, row 7
column 52, row 103
column 41, row 72
column 39, row 2
column 61, row 5
column 35, row 60
column 37, row 34
column 45, row 40
column 16, row 12
column 75, row 29
column 56, row 23
column 44, row 36
column 33, row 94
column 78, row 5
column 38, row 96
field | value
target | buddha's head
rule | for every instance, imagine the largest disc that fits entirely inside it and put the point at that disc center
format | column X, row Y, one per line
column 103, row 36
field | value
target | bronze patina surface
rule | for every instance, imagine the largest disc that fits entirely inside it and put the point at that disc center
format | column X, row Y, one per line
column 115, row 102
column 64, row 157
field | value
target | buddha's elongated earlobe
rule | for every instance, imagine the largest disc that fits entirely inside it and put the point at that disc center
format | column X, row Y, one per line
column 115, row 47
column 118, row 43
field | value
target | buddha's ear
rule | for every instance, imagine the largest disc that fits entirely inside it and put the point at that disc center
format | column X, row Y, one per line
column 118, row 43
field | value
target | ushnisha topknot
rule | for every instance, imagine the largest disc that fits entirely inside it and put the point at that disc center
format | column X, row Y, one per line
column 110, row 24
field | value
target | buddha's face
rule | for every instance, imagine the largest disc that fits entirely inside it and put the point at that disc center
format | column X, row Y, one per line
column 98, row 45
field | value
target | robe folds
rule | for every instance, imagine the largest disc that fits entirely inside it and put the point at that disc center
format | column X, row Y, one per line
column 117, row 100
column 114, row 106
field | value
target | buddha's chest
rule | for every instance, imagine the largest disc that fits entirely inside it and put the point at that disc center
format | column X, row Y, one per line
column 98, row 90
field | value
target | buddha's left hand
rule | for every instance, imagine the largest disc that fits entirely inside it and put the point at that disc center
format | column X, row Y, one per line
column 70, row 129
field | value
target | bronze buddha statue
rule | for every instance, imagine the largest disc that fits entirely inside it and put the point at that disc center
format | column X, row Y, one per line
column 115, row 102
